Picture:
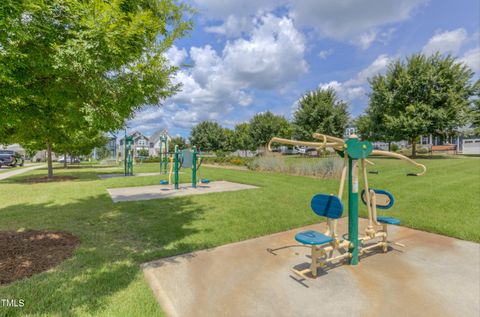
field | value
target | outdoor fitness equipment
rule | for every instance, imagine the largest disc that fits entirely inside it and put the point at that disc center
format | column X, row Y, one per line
column 324, row 245
column 163, row 154
column 128, row 162
column 183, row 159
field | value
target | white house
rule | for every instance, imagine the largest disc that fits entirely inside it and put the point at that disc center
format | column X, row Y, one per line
column 155, row 142
column 140, row 142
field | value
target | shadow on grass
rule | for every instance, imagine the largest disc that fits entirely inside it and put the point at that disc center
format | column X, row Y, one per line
column 115, row 240
column 29, row 179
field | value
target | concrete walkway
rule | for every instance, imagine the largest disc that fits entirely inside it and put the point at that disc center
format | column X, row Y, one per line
column 106, row 176
column 18, row 171
column 433, row 276
column 167, row 191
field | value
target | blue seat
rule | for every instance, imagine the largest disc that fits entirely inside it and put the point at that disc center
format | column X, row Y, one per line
column 163, row 182
column 312, row 237
column 388, row 220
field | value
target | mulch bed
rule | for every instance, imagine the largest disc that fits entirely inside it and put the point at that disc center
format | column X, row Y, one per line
column 45, row 179
column 23, row 254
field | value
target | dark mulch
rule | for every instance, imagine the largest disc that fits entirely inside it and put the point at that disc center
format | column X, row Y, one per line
column 23, row 254
column 45, row 179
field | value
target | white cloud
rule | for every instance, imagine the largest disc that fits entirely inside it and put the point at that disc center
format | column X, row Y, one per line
column 272, row 56
column 232, row 27
column 355, row 21
column 351, row 20
column 219, row 82
column 366, row 39
column 176, row 56
column 323, row 54
column 378, row 66
column 220, row 9
column 446, row 42
column 472, row 59
column 356, row 88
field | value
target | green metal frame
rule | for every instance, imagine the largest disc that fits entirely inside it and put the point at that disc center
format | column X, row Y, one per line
column 163, row 155
column 128, row 162
column 355, row 149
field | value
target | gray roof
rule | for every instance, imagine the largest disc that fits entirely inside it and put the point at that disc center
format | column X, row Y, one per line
column 156, row 136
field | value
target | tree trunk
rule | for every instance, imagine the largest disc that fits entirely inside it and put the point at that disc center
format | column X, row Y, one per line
column 49, row 160
column 414, row 147
column 65, row 160
column 389, row 146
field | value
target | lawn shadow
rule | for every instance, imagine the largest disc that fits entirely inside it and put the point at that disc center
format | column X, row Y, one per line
column 115, row 240
column 39, row 175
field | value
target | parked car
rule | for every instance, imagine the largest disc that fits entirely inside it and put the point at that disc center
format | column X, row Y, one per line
column 61, row 159
column 10, row 158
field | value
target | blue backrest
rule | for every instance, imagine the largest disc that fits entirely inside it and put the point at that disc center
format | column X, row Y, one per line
column 329, row 206
column 384, row 199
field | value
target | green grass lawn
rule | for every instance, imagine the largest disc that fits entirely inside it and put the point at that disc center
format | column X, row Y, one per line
column 103, row 278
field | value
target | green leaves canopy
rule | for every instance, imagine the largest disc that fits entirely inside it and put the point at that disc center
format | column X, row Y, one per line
column 67, row 65
column 422, row 95
column 266, row 125
column 208, row 136
column 320, row 111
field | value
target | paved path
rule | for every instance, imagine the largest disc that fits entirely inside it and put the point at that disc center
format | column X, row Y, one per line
column 167, row 191
column 433, row 276
column 18, row 171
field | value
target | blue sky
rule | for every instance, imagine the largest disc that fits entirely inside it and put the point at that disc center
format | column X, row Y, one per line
column 247, row 57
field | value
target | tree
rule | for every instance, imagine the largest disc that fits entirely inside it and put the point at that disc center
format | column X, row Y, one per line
column 78, row 143
column 180, row 141
column 266, row 125
column 475, row 109
column 75, row 65
column 242, row 139
column 320, row 111
column 420, row 96
column 229, row 145
column 208, row 136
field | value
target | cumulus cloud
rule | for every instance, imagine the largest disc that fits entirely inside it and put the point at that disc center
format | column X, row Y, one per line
column 347, row 20
column 323, row 54
column 353, row 20
column 356, row 88
column 218, row 82
column 232, row 27
column 472, row 59
column 446, row 42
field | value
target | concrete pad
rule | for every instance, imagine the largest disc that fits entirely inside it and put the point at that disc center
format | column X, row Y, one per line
column 167, row 191
column 433, row 276
column 106, row 176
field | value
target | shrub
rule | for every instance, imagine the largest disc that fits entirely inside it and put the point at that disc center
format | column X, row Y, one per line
column 423, row 150
column 393, row 147
column 329, row 167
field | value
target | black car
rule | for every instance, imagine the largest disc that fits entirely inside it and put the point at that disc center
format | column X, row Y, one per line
column 10, row 158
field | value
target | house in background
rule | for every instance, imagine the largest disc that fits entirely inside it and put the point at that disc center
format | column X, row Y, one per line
column 155, row 142
column 140, row 143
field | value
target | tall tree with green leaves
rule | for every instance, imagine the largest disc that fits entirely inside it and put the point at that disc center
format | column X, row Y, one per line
column 422, row 95
column 266, row 125
column 178, row 140
column 242, row 139
column 75, row 64
column 78, row 143
column 208, row 136
column 320, row 111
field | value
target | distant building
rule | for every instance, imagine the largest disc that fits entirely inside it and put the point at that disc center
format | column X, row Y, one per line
column 349, row 130
column 140, row 142
column 155, row 141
